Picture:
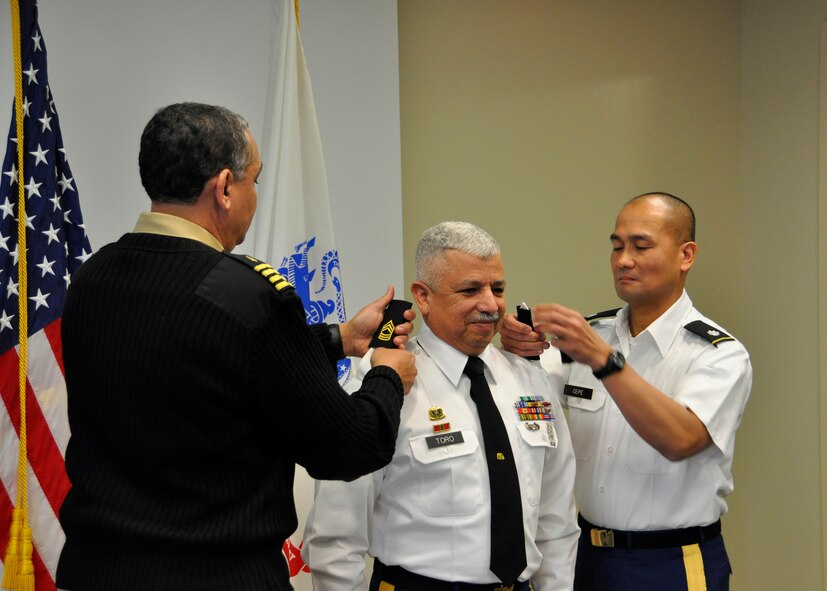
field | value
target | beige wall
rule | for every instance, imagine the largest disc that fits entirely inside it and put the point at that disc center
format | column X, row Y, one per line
column 778, row 523
column 822, row 282
column 537, row 119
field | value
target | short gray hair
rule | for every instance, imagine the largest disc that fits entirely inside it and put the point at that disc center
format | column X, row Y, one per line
column 461, row 236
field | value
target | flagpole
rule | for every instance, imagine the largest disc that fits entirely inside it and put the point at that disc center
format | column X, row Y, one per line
column 18, row 571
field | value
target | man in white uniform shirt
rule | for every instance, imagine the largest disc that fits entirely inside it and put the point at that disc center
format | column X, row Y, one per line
column 427, row 517
column 655, row 397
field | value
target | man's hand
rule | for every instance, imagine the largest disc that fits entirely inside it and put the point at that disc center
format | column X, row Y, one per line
column 572, row 334
column 357, row 332
column 518, row 338
column 566, row 329
column 402, row 362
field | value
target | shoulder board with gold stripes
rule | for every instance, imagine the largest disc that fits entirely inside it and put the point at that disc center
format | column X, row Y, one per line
column 265, row 270
column 708, row 332
column 601, row 315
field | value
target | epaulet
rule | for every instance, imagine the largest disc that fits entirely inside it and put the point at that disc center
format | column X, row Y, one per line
column 708, row 332
column 601, row 315
column 268, row 272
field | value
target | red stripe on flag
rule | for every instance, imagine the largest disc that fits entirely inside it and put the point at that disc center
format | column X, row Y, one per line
column 42, row 579
column 45, row 458
column 53, row 334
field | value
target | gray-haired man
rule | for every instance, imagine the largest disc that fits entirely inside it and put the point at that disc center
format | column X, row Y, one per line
column 432, row 517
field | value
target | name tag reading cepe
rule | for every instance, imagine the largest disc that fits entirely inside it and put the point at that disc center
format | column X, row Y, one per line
column 578, row 392
column 444, row 439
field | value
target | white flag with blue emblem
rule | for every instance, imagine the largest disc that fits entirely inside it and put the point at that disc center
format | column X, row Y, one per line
column 293, row 227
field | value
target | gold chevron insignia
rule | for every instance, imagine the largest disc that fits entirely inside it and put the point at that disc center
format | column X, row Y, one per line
column 387, row 331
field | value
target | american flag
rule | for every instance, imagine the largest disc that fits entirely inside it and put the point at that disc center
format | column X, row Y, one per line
column 56, row 246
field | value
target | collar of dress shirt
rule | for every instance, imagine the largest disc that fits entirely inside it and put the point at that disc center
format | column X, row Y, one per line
column 152, row 222
column 662, row 331
column 449, row 360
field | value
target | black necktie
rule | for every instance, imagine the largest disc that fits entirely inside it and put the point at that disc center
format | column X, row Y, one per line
column 507, row 538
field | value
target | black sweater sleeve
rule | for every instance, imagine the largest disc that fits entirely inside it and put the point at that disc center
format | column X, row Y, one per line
column 331, row 340
column 337, row 436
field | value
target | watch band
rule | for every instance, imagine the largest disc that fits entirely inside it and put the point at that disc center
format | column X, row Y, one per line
column 615, row 363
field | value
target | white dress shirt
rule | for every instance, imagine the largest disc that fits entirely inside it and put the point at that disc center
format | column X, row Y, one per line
column 429, row 509
column 622, row 481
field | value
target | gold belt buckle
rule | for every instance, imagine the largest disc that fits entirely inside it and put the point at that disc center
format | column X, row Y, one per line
column 509, row 588
column 603, row 538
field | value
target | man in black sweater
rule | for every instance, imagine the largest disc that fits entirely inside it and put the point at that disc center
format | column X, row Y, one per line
column 195, row 385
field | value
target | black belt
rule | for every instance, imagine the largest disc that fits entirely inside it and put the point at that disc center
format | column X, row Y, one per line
column 648, row 540
column 405, row 579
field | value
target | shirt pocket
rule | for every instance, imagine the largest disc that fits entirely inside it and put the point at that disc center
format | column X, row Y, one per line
column 533, row 448
column 449, row 477
column 584, row 418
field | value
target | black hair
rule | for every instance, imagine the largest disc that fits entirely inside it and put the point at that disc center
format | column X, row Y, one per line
column 186, row 144
column 681, row 211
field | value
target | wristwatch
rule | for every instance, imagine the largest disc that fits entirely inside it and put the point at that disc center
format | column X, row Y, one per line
column 615, row 363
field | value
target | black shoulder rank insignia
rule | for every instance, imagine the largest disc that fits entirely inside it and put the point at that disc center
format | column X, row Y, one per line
column 268, row 272
column 708, row 332
column 601, row 315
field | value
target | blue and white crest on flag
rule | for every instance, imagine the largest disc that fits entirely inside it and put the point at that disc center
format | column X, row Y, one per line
column 321, row 295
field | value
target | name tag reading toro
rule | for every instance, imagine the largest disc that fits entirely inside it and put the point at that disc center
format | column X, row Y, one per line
column 444, row 439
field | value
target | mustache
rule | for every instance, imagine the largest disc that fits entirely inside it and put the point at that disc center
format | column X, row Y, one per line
column 485, row 317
